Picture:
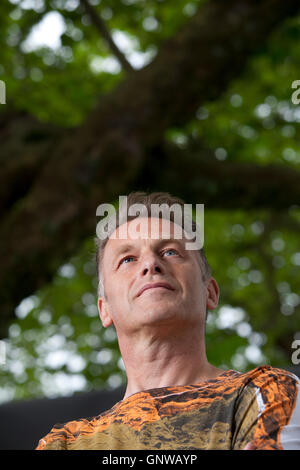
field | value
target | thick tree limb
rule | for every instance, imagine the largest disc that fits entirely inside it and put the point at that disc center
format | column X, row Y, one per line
column 224, row 184
column 108, row 155
column 25, row 147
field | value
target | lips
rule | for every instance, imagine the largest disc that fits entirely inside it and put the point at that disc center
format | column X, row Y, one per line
column 154, row 285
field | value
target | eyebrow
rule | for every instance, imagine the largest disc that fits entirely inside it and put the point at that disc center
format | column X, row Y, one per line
column 123, row 249
column 128, row 247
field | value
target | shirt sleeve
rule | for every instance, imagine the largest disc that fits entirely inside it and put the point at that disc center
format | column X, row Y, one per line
column 267, row 415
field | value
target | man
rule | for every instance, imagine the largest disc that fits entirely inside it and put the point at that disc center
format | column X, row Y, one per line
column 156, row 294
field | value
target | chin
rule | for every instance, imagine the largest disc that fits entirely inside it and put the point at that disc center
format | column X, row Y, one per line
column 154, row 314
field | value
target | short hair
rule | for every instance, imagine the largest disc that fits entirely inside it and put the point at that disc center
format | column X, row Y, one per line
column 147, row 199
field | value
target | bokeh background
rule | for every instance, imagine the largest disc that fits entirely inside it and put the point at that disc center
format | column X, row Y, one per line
column 193, row 97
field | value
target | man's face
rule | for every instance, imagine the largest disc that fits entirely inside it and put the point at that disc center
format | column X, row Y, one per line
column 133, row 264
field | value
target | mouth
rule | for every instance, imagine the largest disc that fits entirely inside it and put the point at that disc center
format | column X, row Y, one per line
column 155, row 286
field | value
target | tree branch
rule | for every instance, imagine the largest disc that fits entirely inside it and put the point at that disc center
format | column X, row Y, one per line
column 105, row 157
column 103, row 30
column 25, row 147
column 222, row 184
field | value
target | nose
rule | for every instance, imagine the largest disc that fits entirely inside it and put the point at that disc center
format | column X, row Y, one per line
column 151, row 264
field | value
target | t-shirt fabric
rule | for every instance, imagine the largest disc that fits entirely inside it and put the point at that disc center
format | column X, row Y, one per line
column 259, row 409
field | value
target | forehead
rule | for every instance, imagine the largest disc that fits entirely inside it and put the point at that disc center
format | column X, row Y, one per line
column 141, row 228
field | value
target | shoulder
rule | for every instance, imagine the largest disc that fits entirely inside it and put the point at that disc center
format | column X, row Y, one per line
column 63, row 434
column 266, row 374
column 266, row 390
column 60, row 433
column 271, row 383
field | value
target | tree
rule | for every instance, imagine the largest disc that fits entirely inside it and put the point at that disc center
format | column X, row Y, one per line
column 149, row 129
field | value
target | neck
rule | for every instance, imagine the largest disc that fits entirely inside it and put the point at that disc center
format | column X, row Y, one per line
column 154, row 362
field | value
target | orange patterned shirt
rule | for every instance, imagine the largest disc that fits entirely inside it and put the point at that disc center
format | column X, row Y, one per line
column 259, row 409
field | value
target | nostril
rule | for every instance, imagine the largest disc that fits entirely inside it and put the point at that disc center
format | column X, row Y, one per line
column 155, row 268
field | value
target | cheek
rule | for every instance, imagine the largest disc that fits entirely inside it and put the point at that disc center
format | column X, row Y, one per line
column 194, row 286
column 117, row 293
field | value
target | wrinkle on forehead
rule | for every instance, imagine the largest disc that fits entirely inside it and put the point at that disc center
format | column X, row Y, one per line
column 148, row 228
column 155, row 232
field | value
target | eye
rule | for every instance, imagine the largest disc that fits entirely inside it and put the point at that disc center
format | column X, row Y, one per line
column 170, row 249
column 125, row 259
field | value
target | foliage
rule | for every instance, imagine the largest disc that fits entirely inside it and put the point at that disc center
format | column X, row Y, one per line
column 56, row 345
column 62, row 85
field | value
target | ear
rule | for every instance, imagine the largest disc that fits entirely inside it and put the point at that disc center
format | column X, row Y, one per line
column 104, row 312
column 212, row 294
